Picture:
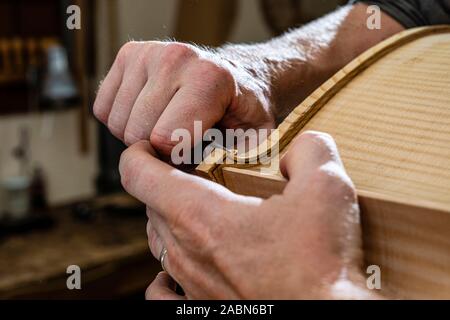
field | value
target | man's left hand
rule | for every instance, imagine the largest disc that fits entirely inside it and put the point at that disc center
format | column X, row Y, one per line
column 302, row 244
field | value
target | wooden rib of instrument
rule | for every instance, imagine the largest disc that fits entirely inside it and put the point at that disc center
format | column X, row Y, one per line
column 389, row 112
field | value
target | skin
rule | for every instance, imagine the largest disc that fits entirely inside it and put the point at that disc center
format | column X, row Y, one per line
column 225, row 246
column 156, row 87
column 303, row 244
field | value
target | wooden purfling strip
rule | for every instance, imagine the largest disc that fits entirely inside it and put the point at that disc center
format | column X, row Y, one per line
column 308, row 108
column 406, row 228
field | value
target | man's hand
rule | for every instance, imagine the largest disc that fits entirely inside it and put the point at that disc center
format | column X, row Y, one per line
column 154, row 88
column 303, row 244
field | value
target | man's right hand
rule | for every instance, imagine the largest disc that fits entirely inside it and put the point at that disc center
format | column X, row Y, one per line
column 154, row 88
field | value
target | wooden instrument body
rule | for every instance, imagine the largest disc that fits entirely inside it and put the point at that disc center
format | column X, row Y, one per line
column 389, row 112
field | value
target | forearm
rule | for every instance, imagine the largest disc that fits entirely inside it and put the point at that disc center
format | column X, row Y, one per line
column 292, row 66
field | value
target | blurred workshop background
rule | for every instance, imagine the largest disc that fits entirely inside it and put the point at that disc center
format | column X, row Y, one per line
column 61, row 203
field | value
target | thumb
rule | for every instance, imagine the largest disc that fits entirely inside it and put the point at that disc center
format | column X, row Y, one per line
column 163, row 288
column 307, row 154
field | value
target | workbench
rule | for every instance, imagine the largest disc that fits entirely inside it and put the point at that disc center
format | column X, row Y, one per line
column 111, row 250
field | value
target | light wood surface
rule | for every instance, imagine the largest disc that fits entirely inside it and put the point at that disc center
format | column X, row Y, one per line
column 389, row 112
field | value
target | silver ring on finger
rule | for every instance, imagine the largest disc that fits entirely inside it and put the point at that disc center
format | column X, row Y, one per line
column 162, row 258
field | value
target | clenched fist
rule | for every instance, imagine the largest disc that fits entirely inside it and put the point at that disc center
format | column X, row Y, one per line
column 154, row 88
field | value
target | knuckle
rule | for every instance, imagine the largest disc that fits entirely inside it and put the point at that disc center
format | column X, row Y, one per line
column 129, row 169
column 116, row 123
column 125, row 96
column 175, row 53
column 323, row 179
column 146, row 106
column 125, row 51
column 321, row 139
column 131, row 136
column 136, row 129
column 100, row 112
column 332, row 179
column 216, row 74
column 114, row 126
column 145, row 54
column 215, row 69
column 322, row 144
column 162, row 141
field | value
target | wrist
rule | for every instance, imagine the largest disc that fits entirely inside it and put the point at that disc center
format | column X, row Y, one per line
column 252, row 74
column 265, row 69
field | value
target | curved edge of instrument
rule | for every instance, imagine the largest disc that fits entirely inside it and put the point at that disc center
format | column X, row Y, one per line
column 212, row 167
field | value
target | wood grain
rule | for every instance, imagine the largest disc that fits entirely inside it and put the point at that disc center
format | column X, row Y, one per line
column 389, row 112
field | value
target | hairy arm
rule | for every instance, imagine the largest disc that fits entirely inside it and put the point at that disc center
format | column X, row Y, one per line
column 154, row 88
column 292, row 66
